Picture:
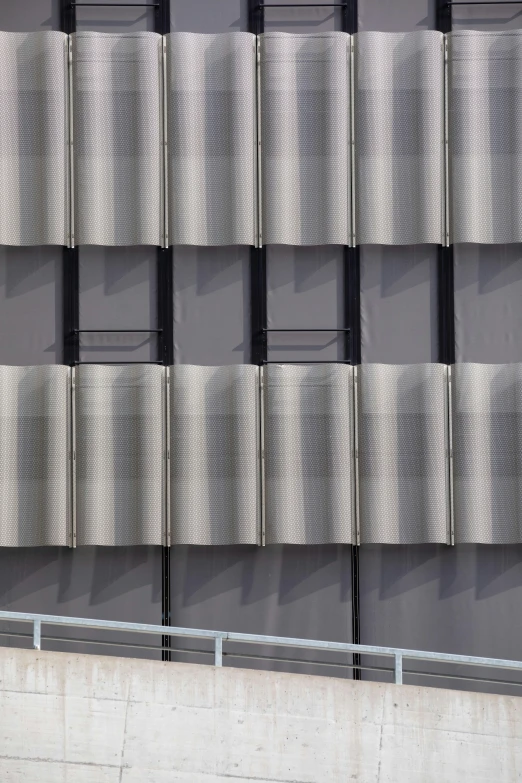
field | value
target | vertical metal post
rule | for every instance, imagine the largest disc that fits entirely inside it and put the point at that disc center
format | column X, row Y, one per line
column 262, row 504
column 352, row 314
column 218, row 651
column 165, row 307
column 445, row 266
column 398, row 670
column 72, row 462
column 70, row 255
column 37, row 634
column 258, row 265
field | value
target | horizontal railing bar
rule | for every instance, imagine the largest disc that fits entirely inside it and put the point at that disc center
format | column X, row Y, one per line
column 260, row 639
column 122, row 362
column 118, row 331
column 373, row 650
column 307, row 330
column 269, row 658
column 110, row 625
column 311, row 361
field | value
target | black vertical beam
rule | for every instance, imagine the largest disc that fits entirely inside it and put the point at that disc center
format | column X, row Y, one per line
column 258, row 264
column 352, row 319
column 165, row 316
column 70, row 255
column 445, row 261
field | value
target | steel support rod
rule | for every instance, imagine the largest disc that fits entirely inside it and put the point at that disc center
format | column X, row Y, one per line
column 398, row 669
column 218, row 651
column 37, row 634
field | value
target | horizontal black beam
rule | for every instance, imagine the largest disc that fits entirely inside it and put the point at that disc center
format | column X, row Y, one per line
column 304, row 361
column 303, row 5
column 306, row 330
column 118, row 331
column 122, row 362
column 484, row 2
column 116, row 5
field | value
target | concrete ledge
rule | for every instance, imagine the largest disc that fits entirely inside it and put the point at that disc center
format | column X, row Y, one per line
column 89, row 719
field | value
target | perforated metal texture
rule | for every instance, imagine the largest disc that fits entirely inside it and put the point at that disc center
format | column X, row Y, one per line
column 305, row 138
column 403, row 459
column 33, row 144
column 485, row 129
column 309, row 447
column 487, row 453
column 399, row 137
column 120, row 444
column 117, row 138
column 214, row 455
column 211, row 145
column 34, row 445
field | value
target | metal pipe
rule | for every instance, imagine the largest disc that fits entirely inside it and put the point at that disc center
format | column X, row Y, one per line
column 398, row 669
column 37, row 635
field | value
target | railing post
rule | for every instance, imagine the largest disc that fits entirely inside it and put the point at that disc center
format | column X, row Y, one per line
column 37, row 634
column 398, row 670
column 218, row 651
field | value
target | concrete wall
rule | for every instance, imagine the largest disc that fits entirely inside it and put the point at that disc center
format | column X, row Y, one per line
column 88, row 719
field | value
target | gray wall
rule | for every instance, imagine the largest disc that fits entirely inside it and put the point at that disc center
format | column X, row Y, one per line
column 462, row 599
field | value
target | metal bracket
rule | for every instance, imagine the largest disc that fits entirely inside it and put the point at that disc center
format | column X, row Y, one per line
column 261, row 451
column 72, row 453
column 449, row 430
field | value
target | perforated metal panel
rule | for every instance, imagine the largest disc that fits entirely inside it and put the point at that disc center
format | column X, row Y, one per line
column 211, row 145
column 214, row 455
column 33, row 144
column 305, row 138
column 117, row 140
column 487, row 453
column 34, row 445
column 399, row 137
column 485, row 125
column 309, row 454
column 120, row 444
column 403, row 454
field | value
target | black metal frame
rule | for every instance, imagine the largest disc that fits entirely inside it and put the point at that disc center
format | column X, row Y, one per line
column 165, row 300
column 445, row 261
column 351, row 294
column 71, row 274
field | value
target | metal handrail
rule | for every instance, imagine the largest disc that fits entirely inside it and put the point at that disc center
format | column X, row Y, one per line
column 219, row 637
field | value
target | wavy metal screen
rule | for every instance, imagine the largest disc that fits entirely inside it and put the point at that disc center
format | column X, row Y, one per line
column 399, row 137
column 485, row 128
column 305, row 138
column 487, row 453
column 117, row 138
column 309, row 454
column 35, row 459
column 211, row 100
column 120, row 450
column 33, row 138
column 214, row 455
column 403, row 454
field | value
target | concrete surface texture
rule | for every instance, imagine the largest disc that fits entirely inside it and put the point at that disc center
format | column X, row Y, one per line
column 89, row 719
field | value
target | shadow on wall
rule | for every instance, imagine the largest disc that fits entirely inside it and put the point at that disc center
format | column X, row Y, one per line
column 399, row 304
column 30, row 305
column 211, row 305
column 488, row 291
column 111, row 583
